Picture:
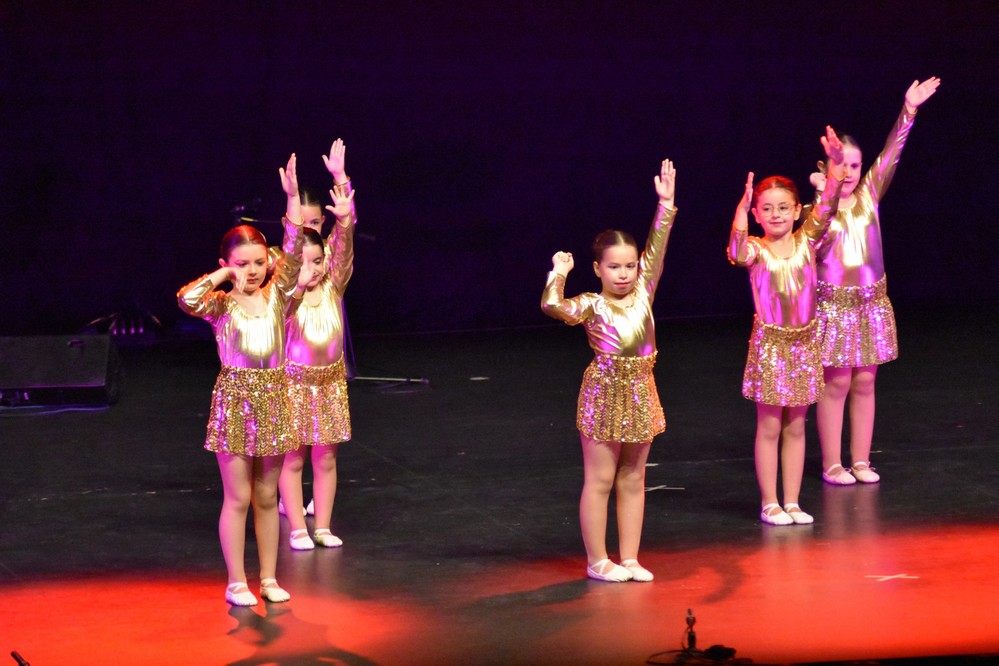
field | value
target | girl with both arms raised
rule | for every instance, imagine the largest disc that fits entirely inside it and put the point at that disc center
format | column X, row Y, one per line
column 317, row 377
column 249, row 426
column 783, row 374
column 857, row 319
column 618, row 410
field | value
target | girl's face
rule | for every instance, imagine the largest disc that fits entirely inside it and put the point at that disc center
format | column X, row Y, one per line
column 852, row 160
column 314, row 260
column 617, row 270
column 776, row 210
column 250, row 264
column 312, row 217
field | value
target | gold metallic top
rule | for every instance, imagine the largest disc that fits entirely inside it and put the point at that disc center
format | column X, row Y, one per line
column 315, row 332
column 611, row 328
column 244, row 340
column 784, row 287
column 852, row 256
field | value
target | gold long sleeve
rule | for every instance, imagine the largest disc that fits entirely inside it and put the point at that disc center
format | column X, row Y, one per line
column 852, row 254
column 611, row 328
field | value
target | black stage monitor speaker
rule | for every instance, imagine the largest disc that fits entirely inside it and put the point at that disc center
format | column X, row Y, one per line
column 59, row 370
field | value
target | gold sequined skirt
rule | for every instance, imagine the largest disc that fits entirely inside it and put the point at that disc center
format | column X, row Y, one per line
column 250, row 413
column 319, row 410
column 858, row 325
column 784, row 365
column 618, row 401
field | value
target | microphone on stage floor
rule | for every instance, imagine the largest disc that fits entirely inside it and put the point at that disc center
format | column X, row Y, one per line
column 21, row 661
column 250, row 205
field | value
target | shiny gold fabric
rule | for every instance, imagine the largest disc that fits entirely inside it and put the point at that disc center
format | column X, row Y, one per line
column 250, row 413
column 611, row 328
column 315, row 333
column 784, row 365
column 784, row 288
column 851, row 255
column 247, row 415
column 244, row 340
column 319, row 408
column 618, row 401
column 857, row 325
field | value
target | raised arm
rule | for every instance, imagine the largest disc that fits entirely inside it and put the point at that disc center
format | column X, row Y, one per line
column 651, row 265
column 822, row 213
column 195, row 298
column 340, row 244
column 740, row 251
column 882, row 170
column 553, row 300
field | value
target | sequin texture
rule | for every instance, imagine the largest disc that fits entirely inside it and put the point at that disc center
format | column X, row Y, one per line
column 319, row 409
column 857, row 325
column 784, row 365
column 618, row 401
column 250, row 413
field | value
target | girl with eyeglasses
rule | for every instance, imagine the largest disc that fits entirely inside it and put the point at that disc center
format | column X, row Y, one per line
column 783, row 373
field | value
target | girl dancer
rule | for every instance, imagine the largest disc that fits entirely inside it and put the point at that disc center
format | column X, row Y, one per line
column 618, row 410
column 856, row 317
column 783, row 368
column 249, row 427
column 317, row 377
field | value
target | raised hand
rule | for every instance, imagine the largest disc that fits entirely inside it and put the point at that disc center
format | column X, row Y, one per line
column 747, row 196
column 289, row 177
column 920, row 92
column 562, row 263
column 666, row 183
column 834, row 151
column 336, row 162
column 305, row 275
column 341, row 205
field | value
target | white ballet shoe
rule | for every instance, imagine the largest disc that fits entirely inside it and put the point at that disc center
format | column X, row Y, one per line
column 327, row 539
column 838, row 475
column 311, row 509
column 271, row 591
column 778, row 517
column 639, row 574
column 238, row 594
column 607, row 571
column 797, row 514
column 865, row 473
column 300, row 540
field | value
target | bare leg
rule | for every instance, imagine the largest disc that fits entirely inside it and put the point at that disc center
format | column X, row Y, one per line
column 792, row 452
column 629, row 489
column 266, row 471
column 324, row 483
column 599, row 469
column 237, row 487
column 291, row 487
column 862, row 413
column 829, row 413
column 768, row 428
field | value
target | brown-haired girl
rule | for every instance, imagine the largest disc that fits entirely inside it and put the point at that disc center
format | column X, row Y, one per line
column 783, row 374
column 618, row 410
column 317, row 376
column 249, row 426
column 857, row 319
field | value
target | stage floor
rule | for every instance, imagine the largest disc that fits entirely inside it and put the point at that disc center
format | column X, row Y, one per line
column 457, row 504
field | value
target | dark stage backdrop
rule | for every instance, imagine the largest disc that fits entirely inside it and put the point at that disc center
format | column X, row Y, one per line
column 482, row 137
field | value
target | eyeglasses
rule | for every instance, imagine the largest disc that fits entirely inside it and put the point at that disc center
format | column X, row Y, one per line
column 783, row 209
